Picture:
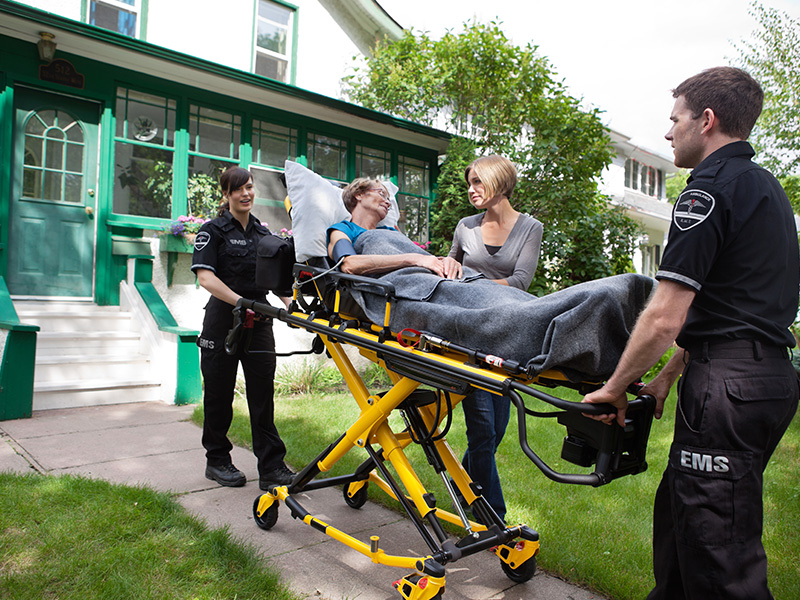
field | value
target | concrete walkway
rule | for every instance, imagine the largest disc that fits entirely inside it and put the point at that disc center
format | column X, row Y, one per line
column 156, row 445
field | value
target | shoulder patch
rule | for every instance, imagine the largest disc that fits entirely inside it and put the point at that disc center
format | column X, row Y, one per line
column 692, row 208
column 202, row 239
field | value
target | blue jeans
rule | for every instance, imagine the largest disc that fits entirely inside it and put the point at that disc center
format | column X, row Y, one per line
column 487, row 417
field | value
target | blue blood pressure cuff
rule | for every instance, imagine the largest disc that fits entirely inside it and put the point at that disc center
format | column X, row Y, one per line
column 342, row 248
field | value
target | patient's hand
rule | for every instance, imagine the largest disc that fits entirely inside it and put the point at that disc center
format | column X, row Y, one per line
column 452, row 268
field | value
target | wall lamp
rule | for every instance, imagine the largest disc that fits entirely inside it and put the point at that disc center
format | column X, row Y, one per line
column 46, row 46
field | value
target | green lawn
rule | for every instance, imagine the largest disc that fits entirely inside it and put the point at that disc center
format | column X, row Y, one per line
column 72, row 538
column 597, row 537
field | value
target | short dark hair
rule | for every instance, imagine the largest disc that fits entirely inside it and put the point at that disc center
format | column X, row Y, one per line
column 734, row 96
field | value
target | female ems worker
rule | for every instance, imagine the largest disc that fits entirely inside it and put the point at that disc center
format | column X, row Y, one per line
column 504, row 245
column 224, row 261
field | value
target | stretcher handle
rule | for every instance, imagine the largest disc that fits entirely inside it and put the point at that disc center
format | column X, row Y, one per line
column 604, row 469
column 387, row 287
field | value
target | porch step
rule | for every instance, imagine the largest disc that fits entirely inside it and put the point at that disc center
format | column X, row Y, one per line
column 87, row 355
column 61, row 367
column 78, row 321
column 96, row 343
column 93, row 392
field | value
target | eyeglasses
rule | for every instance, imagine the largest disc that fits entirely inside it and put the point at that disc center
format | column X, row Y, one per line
column 384, row 194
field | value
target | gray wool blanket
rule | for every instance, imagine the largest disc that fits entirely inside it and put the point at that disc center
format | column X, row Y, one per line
column 580, row 331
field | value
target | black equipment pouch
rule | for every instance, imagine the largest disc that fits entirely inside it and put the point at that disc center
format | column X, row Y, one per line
column 274, row 262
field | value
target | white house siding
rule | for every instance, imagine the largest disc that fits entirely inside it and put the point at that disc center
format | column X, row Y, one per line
column 66, row 8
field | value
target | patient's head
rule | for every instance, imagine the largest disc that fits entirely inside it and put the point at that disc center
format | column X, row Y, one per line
column 497, row 174
column 358, row 188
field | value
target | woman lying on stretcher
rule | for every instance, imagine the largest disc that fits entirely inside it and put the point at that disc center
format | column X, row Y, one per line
column 367, row 200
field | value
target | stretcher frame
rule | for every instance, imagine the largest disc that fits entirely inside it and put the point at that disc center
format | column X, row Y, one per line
column 449, row 371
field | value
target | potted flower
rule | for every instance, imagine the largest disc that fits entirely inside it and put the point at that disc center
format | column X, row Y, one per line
column 179, row 235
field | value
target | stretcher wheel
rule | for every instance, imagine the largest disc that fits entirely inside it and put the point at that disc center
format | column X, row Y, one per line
column 269, row 518
column 358, row 499
column 522, row 573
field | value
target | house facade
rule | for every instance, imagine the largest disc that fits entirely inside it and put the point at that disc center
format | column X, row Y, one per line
column 115, row 121
column 636, row 181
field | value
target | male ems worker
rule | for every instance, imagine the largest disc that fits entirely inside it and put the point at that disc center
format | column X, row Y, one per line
column 727, row 293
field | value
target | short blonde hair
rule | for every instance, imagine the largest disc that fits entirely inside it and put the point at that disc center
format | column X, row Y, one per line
column 498, row 174
column 355, row 188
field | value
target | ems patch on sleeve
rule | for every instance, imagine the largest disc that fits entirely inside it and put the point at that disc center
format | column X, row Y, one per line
column 201, row 240
column 692, row 208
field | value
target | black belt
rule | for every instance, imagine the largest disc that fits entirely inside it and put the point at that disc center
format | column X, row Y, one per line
column 736, row 349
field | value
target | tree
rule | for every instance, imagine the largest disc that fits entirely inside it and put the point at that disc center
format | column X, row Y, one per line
column 500, row 98
column 773, row 58
column 675, row 183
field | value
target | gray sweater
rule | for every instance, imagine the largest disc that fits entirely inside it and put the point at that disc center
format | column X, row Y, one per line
column 515, row 261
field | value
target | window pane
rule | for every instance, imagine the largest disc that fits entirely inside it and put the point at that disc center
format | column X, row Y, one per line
column 272, row 67
column 36, row 125
column 115, row 19
column 271, row 37
column 328, row 156
column 33, row 151
column 274, row 12
column 52, row 185
column 143, row 181
column 73, row 131
column 73, row 186
column 651, row 172
column 203, row 190
column 271, row 193
column 214, row 132
column 273, row 144
column 145, row 117
column 31, row 183
column 74, row 158
column 54, row 150
column 45, row 117
column 413, row 217
column 414, row 176
column 372, row 163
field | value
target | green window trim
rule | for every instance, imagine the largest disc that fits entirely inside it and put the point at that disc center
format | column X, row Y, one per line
column 246, row 125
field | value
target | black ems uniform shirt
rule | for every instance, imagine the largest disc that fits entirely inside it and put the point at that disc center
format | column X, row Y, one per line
column 733, row 239
column 221, row 246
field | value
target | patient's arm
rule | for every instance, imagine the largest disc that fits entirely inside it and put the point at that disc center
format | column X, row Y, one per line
column 376, row 264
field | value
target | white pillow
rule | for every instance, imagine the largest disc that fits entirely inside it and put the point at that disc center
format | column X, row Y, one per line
column 316, row 205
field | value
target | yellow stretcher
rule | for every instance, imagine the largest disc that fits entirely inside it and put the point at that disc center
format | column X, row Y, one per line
column 430, row 377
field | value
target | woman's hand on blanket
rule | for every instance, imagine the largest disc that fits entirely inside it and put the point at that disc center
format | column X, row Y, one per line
column 606, row 396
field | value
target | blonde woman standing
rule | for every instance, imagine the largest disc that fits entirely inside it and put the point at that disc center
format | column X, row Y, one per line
column 504, row 245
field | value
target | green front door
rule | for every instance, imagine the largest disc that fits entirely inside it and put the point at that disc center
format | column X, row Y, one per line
column 52, row 229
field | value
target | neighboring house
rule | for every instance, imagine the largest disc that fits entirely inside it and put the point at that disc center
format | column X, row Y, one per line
column 113, row 115
column 636, row 180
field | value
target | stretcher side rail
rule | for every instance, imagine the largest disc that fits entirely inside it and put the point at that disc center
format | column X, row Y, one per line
column 615, row 451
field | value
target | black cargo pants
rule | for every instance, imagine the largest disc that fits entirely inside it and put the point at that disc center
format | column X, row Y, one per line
column 735, row 401
column 219, row 371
